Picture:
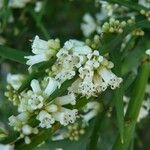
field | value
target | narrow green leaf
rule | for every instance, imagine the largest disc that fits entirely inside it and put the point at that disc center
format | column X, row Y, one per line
column 134, row 107
column 92, row 145
column 132, row 60
column 118, row 102
column 13, row 54
column 3, row 133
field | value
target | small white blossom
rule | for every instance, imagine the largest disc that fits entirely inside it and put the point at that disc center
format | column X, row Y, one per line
column 15, row 80
column 38, row 6
column 26, row 130
column 18, row 121
column 148, row 52
column 145, row 3
column 110, row 78
column 17, row 4
column 91, row 110
column 51, row 86
column 43, row 50
column 46, row 119
column 67, row 99
column 95, row 76
column 70, row 58
column 89, row 25
column 65, row 116
column 6, row 147
column 144, row 111
column 35, row 99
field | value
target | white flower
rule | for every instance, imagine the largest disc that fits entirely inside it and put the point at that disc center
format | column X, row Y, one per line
column 91, row 109
column 87, row 117
column 144, row 111
column 65, row 116
column 95, row 76
column 51, row 86
column 43, row 50
column 36, row 102
column 148, row 52
column 61, row 114
column 18, row 121
column 89, row 25
column 6, row 147
column 67, row 99
column 61, row 117
column 70, row 58
column 46, row 119
column 72, row 114
column 18, row 4
column 51, row 108
column 15, row 80
column 1, row 3
column 77, row 47
column 145, row 3
column 35, row 98
column 26, row 129
column 38, row 6
column 110, row 78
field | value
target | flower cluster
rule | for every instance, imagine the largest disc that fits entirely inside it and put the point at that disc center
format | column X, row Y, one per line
column 76, row 130
column 76, row 60
column 34, row 103
column 109, row 11
column 95, row 76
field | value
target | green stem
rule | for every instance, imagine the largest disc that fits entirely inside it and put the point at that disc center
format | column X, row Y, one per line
column 134, row 107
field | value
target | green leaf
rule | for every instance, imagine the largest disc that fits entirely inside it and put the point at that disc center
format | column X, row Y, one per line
column 132, row 60
column 3, row 133
column 134, row 107
column 93, row 140
column 13, row 54
column 118, row 102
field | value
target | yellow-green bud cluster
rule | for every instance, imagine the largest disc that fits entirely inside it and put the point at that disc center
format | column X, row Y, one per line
column 114, row 26
column 12, row 95
column 138, row 32
column 75, row 131
column 146, row 14
column 94, row 43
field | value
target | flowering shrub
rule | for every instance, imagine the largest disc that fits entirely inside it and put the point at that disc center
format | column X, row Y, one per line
column 88, row 84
